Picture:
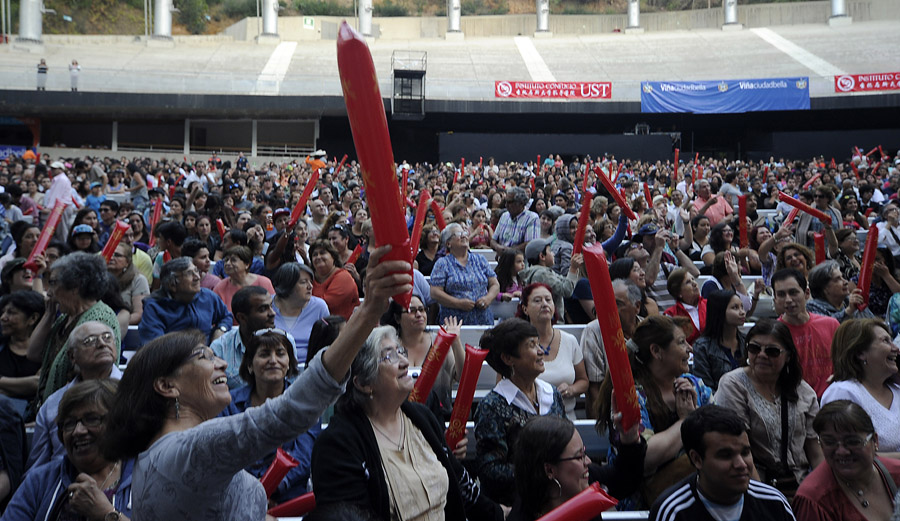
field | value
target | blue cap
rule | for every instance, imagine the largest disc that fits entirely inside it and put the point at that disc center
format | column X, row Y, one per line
column 82, row 228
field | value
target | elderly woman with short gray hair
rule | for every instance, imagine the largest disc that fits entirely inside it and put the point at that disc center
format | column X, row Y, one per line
column 386, row 454
column 462, row 282
column 75, row 285
column 831, row 295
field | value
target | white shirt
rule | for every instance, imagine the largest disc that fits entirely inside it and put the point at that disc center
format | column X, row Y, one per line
column 515, row 396
column 886, row 420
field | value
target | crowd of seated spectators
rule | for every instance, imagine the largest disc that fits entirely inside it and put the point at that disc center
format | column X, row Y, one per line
column 236, row 313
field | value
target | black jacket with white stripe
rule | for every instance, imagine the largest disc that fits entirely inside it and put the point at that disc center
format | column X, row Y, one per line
column 681, row 502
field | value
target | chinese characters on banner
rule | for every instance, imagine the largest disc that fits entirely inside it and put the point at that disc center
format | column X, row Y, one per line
column 553, row 89
column 867, row 82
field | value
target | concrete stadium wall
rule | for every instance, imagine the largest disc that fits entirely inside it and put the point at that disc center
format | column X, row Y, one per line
column 395, row 28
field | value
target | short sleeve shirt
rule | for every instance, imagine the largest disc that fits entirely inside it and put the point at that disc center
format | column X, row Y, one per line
column 525, row 227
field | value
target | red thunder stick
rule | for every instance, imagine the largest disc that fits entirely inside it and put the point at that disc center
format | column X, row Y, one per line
column 419, row 222
column 616, row 195
column 368, row 123
column 432, row 366
column 585, row 505
column 464, row 394
column 539, row 167
column 587, row 175
column 220, row 225
column 869, row 212
column 462, row 166
column 404, row 182
column 880, row 151
column 410, row 203
column 613, row 339
column 783, row 197
column 174, row 186
column 46, row 235
column 819, row 240
column 870, row 152
column 154, row 219
column 297, row 507
column 340, row 165
column 855, row 169
column 812, row 180
column 647, row 196
column 438, row 215
column 675, row 170
column 304, row 197
column 455, row 177
column 619, row 172
column 582, row 223
column 355, row 255
column 75, row 202
column 480, row 163
column 742, row 220
column 114, row 239
column 867, row 265
column 276, row 472
column 791, row 216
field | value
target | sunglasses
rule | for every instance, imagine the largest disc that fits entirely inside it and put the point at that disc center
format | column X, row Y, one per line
column 771, row 351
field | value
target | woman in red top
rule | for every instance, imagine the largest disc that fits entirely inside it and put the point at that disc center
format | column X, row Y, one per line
column 333, row 284
column 688, row 302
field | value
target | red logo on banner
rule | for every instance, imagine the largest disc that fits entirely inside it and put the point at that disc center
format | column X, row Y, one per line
column 867, row 82
column 553, row 89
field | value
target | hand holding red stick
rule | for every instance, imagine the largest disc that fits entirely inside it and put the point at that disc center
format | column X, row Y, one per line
column 276, row 472
column 354, row 256
column 438, row 215
column 432, row 366
column 464, row 394
column 812, row 180
column 616, row 195
column 791, row 216
column 46, row 235
column 803, row 207
column 114, row 239
column 586, row 505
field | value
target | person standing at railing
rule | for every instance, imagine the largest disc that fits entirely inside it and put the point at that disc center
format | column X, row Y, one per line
column 42, row 75
column 74, row 72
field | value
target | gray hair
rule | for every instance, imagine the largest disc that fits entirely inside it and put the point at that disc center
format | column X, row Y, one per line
column 820, row 276
column 634, row 292
column 364, row 370
column 519, row 194
column 449, row 231
column 168, row 275
column 85, row 273
column 76, row 336
column 287, row 276
column 699, row 182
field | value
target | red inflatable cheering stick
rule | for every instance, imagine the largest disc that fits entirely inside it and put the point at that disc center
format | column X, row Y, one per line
column 587, row 504
column 304, row 198
column 276, row 472
column 114, row 239
column 819, row 240
column 354, row 256
column 582, row 223
column 868, row 265
column 154, row 219
column 368, row 123
column 613, row 339
column 46, row 235
column 220, row 225
column 432, row 366
column 297, row 507
column 464, row 394
column 803, row 207
column 791, row 216
column 421, row 211
column 742, row 220
column 619, row 198
column 438, row 215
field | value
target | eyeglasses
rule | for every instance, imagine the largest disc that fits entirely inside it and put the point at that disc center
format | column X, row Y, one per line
column 849, row 443
column 413, row 311
column 92, row 340
column 89, row 421
column 459, row 235
column 261, row 332
column 393, row 355
column 203, row 353
column 772, row 351
column 118, row 255
column 582, row 455
column 821, row 196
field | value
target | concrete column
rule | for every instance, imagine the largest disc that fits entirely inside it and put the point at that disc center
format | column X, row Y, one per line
column 634, row 17
column 543, row 17
column 454, row 10
column 187, row 137
column 839, row 14
column 365, row 17
column 115, row 137
column 162, row 19
column 731, row 15
column 253, row 138
column 30, row 22
column 270, row 17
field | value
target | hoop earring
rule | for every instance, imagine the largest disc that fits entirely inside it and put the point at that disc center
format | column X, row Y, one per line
column 559, row 489
column 177, row 409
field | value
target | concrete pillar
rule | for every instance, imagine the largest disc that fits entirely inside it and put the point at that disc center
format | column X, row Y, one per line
column 365, row 17
column 30, row 22
column 454, row 10
column 270, row 17
column 634, row 17
column 187, row 137
column 731, row 15
column 543, row 17
column 162, row 19
column 253, row 134
column 839, row 14
column 115, row 137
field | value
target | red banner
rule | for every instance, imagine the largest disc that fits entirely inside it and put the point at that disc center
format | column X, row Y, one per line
column 867, row 82
column 553, row 89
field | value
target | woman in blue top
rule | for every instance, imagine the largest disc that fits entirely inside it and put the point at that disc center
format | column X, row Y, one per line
column 463, row 283
column 267, row 364
column 296, row 309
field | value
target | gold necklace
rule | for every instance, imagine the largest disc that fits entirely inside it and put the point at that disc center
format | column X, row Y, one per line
column 108, row 475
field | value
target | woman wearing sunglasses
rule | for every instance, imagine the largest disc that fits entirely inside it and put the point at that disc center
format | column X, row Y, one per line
column 777, row 406
column 853, row 484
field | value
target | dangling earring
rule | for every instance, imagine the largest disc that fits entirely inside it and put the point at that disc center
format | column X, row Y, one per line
column 177, row 409
column 559, row 488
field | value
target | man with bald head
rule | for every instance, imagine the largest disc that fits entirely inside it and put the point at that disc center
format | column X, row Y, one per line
column 92, row 349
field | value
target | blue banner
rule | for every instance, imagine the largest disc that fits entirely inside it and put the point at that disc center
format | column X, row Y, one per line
column 9, row 150
column 725, row 96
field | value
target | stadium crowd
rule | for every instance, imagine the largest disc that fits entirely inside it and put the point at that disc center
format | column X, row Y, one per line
column 767, row 381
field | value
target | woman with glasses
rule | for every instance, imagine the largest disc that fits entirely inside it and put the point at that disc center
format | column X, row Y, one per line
column 190, row 468
column 853, row 484
column 417, row 340
column 831, row 294
column 267, row 366
column 387, row 455
column 462, row 282
column 82, row 484
column 296, row 309
column 133, row 286
column 777, row 406
column 865, row 372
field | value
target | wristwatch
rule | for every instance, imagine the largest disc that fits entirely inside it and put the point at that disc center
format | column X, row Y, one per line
column 223, row 329
column 115, row 515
